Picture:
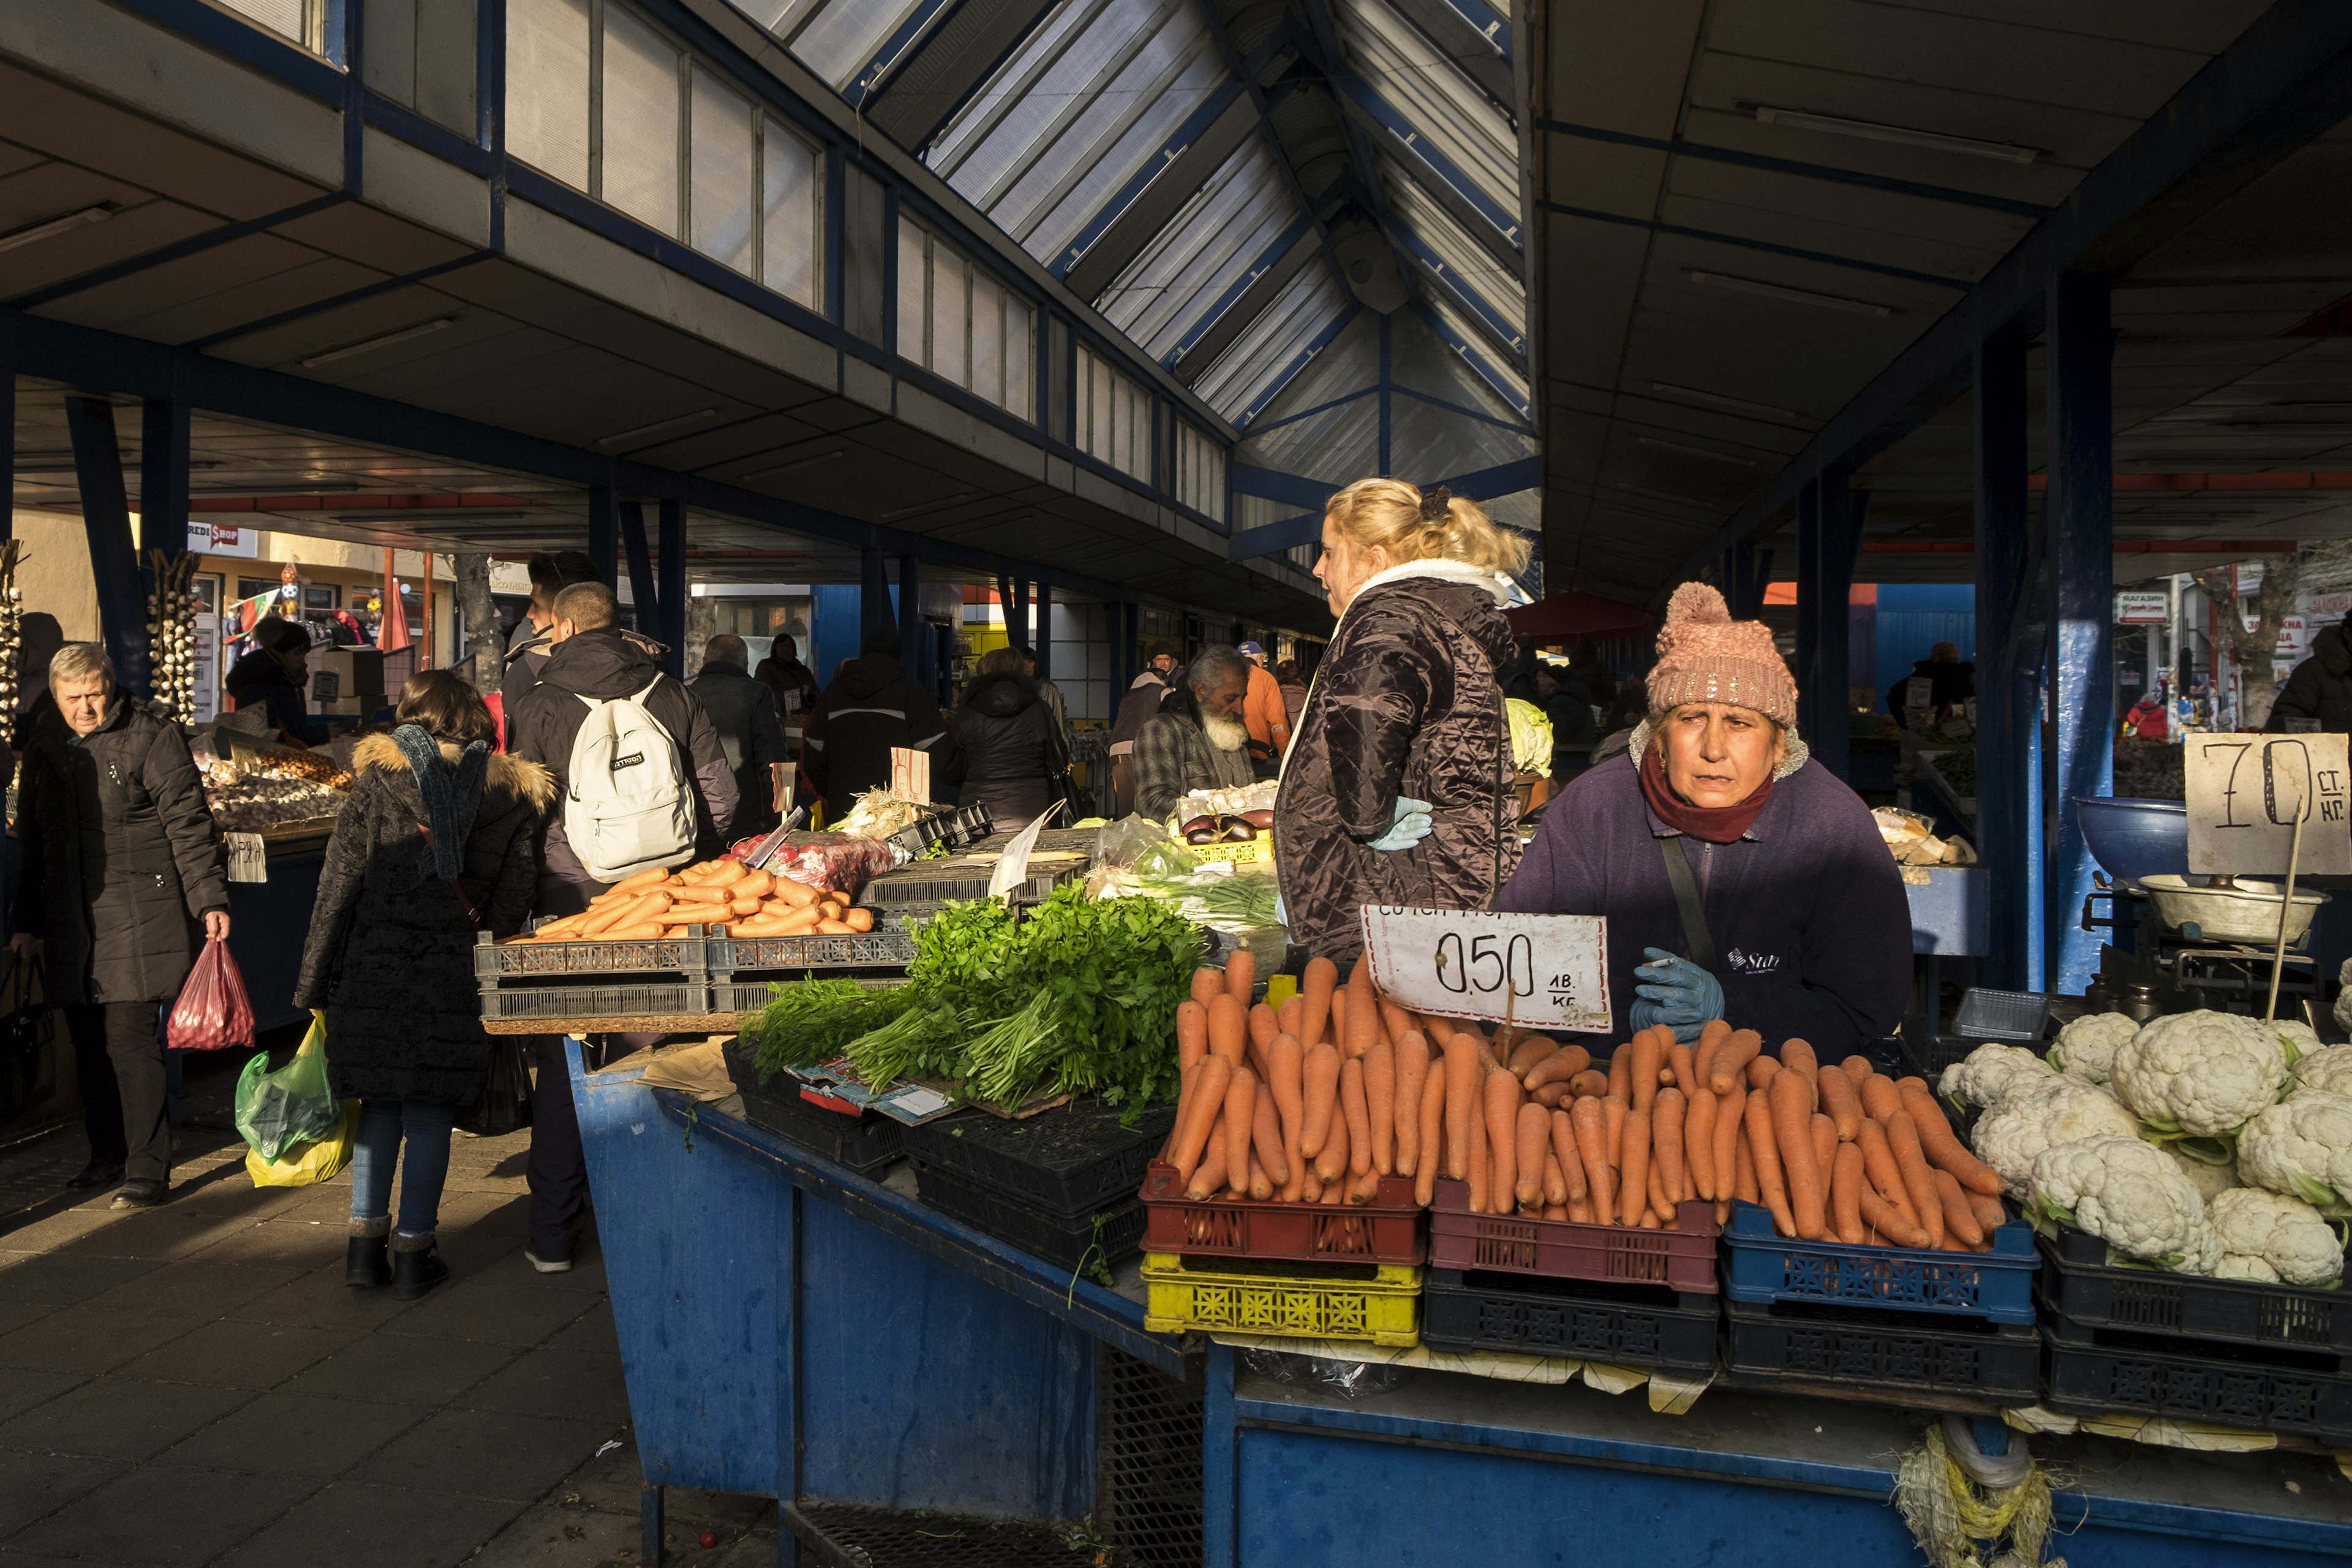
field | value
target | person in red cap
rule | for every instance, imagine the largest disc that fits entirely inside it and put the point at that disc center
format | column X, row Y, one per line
column 1740, row 879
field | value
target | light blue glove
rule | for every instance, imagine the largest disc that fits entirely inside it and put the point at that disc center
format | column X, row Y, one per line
column 1408, row 828
column 1677, row 993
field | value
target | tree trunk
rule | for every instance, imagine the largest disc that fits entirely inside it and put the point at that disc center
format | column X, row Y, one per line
column 2253, row 651
column 483, row 662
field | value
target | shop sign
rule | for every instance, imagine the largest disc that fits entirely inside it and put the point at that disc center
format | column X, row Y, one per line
column 2139, row 607
column 219, row 539
column 2330, row 606
column 1545, row 972
column 2293, row 633
column 2246, row 792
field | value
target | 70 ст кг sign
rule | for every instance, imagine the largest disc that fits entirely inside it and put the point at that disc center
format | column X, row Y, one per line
column 1545, row 971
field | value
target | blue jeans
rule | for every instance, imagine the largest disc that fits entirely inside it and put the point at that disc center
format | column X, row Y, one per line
column 376, row 1151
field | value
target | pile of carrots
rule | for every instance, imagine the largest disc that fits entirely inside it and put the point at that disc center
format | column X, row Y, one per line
column 715, row 892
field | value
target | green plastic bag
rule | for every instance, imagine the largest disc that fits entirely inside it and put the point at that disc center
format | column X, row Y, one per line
column 276, row 1111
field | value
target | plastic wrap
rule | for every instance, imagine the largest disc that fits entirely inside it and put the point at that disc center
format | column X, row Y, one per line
column 836, row 861
column 1350, row 1380
column 213, row 1012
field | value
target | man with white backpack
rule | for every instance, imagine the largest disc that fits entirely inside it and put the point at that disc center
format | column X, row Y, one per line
column 641, row 781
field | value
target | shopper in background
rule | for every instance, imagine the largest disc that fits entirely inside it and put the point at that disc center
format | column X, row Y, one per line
column 2319, row 695
column 794, row 683
column 435, row 844
column 533, row 640
column 870, row 709
column 273, row 677
column 1135, row 710
column 1400, row 787
column 1264, row 715
column 743, row 712
column 1197, row 740
column 1003, row 751
column 119, row 863
column 1951, row 681
column 591, row 657
column 1294, row 691
column 1047, row 693
column 1574, row 730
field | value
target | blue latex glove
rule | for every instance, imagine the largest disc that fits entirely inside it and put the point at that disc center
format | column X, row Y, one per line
column 1677, row 993
column 1408, row 828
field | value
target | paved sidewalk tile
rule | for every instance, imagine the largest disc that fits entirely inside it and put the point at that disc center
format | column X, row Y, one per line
column 119, row 1419
column 21, row 1388
column 580, row 1385
column 565, row 1538
column 85, row 1340
column 295, row 1433
column 197, row 1288
column 65, row 1279
column 491, row 1454
column 233, row 1355
column 361, row 1524
column 388, row 1370
column 34, row 1485
column 168, row 1515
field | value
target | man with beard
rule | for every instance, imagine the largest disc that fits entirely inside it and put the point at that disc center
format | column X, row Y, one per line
column 1197, row 740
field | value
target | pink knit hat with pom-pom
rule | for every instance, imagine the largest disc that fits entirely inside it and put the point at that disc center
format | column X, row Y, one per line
column 1704, row 655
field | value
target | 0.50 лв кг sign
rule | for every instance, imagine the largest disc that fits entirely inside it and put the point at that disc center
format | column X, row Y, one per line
column 1545, row 971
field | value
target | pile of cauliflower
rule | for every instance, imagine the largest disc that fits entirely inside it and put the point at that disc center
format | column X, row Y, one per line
column 2202, row 1142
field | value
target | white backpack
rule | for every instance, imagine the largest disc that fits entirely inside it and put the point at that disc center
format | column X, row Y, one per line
column 629, row 807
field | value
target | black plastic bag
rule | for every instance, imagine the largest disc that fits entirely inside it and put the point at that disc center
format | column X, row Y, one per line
column 504, row 1105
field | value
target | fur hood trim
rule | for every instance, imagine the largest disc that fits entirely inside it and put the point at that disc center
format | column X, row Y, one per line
column 518, row 777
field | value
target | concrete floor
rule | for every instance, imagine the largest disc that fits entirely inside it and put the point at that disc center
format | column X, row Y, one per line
column 196, row 1385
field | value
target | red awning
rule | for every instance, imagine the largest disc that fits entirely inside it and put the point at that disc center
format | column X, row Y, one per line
column 1572, row 614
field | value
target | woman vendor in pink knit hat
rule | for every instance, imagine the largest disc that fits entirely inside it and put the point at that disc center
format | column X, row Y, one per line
column 1740, row 879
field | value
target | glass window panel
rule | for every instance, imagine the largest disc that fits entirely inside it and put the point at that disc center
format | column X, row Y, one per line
column 446, row 36
column 914, row 290
column 547, row 87
column 1468, row 266
column 640, row 121
column 1267, row 349
column 1119, row 133
column 281, row 17
column 842, row 37
column 1020, row 357
column 988, row 337
column 1436, row 98
column 791, row 239
column 721, row 168
column 1241, row 211
column 391, row 54
column 950, row 283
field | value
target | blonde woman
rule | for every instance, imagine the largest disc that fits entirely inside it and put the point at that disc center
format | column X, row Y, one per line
column 1397, row 789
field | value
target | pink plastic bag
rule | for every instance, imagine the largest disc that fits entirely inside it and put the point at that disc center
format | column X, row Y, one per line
column 212, row 1014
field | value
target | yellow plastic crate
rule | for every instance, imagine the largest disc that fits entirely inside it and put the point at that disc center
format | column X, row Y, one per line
column 1385, row 1308
column 1248, row 852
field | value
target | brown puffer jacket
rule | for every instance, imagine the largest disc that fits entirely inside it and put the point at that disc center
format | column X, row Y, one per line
column 1407, row 703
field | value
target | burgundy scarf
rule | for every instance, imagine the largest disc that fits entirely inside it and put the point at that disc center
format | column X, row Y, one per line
column 1715, row 823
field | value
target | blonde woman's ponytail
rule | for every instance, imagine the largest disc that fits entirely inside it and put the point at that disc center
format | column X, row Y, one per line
column 1412, row 525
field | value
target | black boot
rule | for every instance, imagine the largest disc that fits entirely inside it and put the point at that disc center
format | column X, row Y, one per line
column 366, row 1266
column 416, row 1267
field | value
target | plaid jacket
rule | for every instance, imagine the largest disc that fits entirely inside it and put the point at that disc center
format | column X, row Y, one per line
column 1173, row 754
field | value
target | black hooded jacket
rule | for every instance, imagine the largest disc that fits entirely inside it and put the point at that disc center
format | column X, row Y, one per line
column 870, row 709
column 2320, row 688
column 1004, row 750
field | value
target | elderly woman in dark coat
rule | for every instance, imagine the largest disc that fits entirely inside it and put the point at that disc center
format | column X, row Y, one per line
column 435, row 844
column 1005, row 748
column 1398, row 789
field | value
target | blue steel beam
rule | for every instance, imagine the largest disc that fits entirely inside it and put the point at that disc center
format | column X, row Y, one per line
column 1829, row 537
column 1477, row 359
column 669, row 588
column 2078, row 518
column 869, row 80
column 178, row 250
column 1508, row 337
column 1261, row 267
column 644, row 593
column 1289, row 533
column 948, row 67
column 604, row 534
column 1416, row 153
column 1471, row 35
column 2285, row 80
column 2008, row 732
column 1299, row 362
column 1170, row 157
column 106, row 518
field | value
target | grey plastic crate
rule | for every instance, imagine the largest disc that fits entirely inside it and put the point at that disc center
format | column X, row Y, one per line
column 509, row 1004
column 877, row 949
column 931, row 886
column 2017, row 1017
column 682, row 953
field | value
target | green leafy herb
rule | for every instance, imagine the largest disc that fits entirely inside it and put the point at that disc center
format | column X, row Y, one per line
column 923, row 1041
column 809, row 1021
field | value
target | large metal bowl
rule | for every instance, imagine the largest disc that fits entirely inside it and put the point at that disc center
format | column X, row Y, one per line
column 2134, row 839
column 2245, row 910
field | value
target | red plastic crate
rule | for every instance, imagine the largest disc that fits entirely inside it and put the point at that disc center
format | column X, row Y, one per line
column 1392, row 1228
column 1563, row 1250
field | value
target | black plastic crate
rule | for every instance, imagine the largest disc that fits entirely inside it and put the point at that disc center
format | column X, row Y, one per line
column 2080, row 1285
column 557, row 1003
column 1897, row 1357
column 864, row 1143
column 928, row 885
column 891, row 948
column 1107, row 1236
column 678, row 953
column 1071, row 1160
column 2098, row 1371
column 1527, row 1314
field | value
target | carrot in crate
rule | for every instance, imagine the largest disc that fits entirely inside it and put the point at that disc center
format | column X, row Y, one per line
column 1698, row 1143
column 1790, row 1098
column 1285, row 1086
column 1846, row 1184
column 1380, row 1103
column 1666, row 1142
column 1241, row 1118
column 1534, row 1147
column 1431, row 1156
column 1764, row 1148
column 1412, row 1077
column 1241, row 975
column 1320, row 1088
column 1634, row 1165
column 1918, row 1177
column 1353, row 1106
column 1320, row 977
column 1585, row 1119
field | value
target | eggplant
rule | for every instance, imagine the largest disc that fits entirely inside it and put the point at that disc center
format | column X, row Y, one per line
column 1201, row 834
column 1202, row 824
column 1261, row 820
column 1235, row 830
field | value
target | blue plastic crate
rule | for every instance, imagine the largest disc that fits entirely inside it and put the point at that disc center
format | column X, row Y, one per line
column 1762, row 1266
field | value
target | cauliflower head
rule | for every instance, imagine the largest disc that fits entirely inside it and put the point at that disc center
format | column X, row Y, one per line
column 2286, row 1234
column 2238, row 1265
column 1989, row 1071
column 2328, row 1068
column 2207, row 1179
column 2086, row 1047
column 2299, row 1038
column 2130, row 1193
column 2200, row 1073
column 2302, row 1146
column 2043, row 1115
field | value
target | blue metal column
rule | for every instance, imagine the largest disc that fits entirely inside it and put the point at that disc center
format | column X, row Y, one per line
column 644, row 593
column 604, row 534
column 2008, row 760
column 669, row 595
column 163, row 483
column 2079, row 522
column 1746, row 571
column 1045, row 638
column 1829, row 532
column 7, row 427
column 106, row 518
column 914, row 633
column 874, row 595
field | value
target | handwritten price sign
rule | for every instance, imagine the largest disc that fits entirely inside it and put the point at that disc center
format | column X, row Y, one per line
column 1547, row 971
column 2245, row 793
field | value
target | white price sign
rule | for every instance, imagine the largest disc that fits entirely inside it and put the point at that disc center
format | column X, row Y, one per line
column 2245, row 792
column 1545, row 972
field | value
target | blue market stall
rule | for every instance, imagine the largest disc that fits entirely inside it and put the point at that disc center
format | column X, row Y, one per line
column 793, row 1329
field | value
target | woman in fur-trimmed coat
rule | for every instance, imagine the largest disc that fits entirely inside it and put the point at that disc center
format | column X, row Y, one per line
column 435, row 844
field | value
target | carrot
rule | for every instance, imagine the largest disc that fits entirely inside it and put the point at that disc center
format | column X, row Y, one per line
column 1241, row 1122
column 647, row 931
column 1959, row 1219
column 1669, row 1136
column 1798, row 1055
column 860, row 919
column 1207, row 983
column 1554, row 1178
column 1331, row 1164
column 1261, row 1185
column 1660, row 1203
column 1589, row 1085
column 1535, row 1148
column 1845, row 1194
column 1648, row 1051
column 1990, row 1215
column 1209, row 1176
column 1765, row 1149
column 1650, row 1220
column 1698, row 1143
column 1319, row 1083
column 1549, row 1095
column 1310, row 1187
column 1620, row 1073
column 1858, row 1068
column 1334, row 1193
column 1430, row 1158
column 1580, row 1210
column 1843, row 1100
column 740, row 907
column 1501, row 1096
column 1789, row 1099
column 1561, row 1066
column 1761, row 1071
column 1353, row 1105
column 835, row 928
column 1286, row 1084
column 1919, row 1178
column 1880, row 1100
column 1527, row 1053
column 1228, row 1033
column 1585, row 1123
column 613, row 914
column 1711, row 1036
column 1363, row 1012
column 1266, row 1144
column 1744, row 1184
column 1263, row 1027
column 800, row 895
column 1290, row 1015
column 1731, row 1058
column 1481, row 1174
column 755, row 885
column 1187, row 1077
column 1729, row 1108
column 1380, row 1103
column 1678, row 1068
column 1241, row 975
column 1337, row 1033
column 1825, row 1142
column 1461, row 1095
column 1559, row 1128
column 1612, row 1117
column 1938, row 1141
column 1412, row 1077
column 1635, row 1166
column 1364, row 1188
column 1884, row 1177
column 1191, row 1033
column 1879, row 1217
column 1395, row 1022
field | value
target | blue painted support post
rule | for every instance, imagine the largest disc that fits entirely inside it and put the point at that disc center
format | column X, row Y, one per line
column 2006, row 731
column 913, row 636
column 162, row 486
column 1044, row 639
column 874, row 595
column 1829, row 533
column 670, row 587
column 7, row 427
column 604, row 534
column 106, row 518
column 1220, row 1462
column 645, row 595
column 2079, row 522
column 1746, row 571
